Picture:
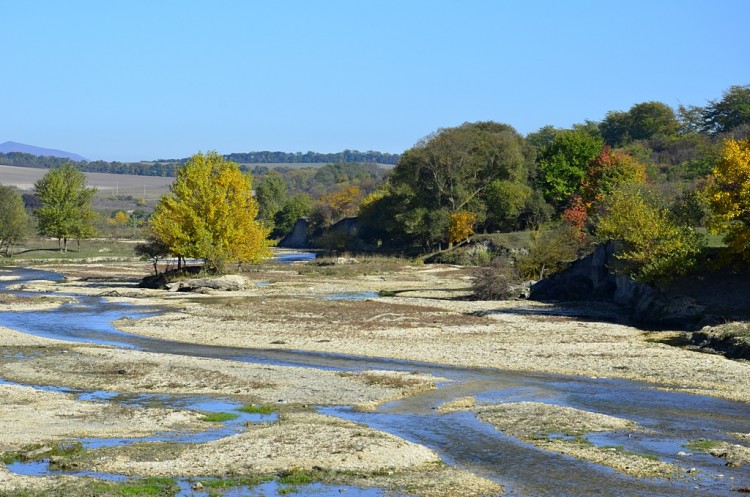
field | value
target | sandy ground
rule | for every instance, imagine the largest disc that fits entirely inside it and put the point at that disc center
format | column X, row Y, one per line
column 287, row 307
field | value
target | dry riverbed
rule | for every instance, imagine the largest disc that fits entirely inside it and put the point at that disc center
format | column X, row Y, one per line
column 287, row 307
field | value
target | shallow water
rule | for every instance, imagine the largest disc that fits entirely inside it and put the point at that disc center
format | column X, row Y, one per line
column 674, row 418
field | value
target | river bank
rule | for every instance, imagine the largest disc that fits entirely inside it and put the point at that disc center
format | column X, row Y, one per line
column 336, row 309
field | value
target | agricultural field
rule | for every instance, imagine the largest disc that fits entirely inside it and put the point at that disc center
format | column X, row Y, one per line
column 150, row 188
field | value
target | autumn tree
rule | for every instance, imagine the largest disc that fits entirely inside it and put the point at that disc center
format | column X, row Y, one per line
column 461, row 226
column 14, row 223
column 65, row 210
column 210, row 214
column 728, row 195
column 652, row 245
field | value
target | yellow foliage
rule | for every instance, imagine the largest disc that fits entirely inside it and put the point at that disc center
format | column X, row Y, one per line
column 461, row 226
column 729, row 196
column 210, row 214
column 343, row 202
column 653, row 246
column 120, row 218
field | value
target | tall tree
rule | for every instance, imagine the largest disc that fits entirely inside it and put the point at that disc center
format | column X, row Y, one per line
column 66, row 210
column 210, row 214
column 452, row 168
column 14, row 223
column 271, row 195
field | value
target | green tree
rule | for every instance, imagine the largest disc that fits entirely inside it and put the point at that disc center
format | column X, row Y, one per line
column 453, row 168
column 65, row 210
column 729, row 113
column 563, row 164
column 652, row 245
column 643, row 121
column 450, row 171
column 210, row 214
column 14, row 223
column 296, row 206
column 271, row 195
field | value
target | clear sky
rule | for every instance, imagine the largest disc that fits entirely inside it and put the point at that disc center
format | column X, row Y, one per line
column 137, row 80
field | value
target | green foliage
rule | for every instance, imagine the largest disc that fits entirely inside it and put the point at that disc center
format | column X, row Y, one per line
column 702, row 445
column 295, row 207
column 65, row 210
column 643, row 121
column 652, row 246
column 14, row 223
column 210, row 214
column 506, row 200
column 152, row 249
column 270, row 194
column 563, row 164
column 551, row 250
column 729, row 113
column 257, row 409
column 219, row 417
column 453, row 167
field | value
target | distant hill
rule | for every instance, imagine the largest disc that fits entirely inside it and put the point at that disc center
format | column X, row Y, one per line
column 8, row 147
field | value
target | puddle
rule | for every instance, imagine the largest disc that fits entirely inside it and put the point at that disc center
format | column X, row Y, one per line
column 297, row 257
column 352, row 296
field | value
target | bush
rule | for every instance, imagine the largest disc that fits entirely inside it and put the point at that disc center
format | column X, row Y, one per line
column 551, row 251
column 496, row 281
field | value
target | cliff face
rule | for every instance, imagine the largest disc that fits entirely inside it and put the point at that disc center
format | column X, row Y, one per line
column 592, row 279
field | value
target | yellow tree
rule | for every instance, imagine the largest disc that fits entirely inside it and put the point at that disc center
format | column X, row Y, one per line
column 728, row 195
column 652, row 245
column 210, row 214
column 461, row 226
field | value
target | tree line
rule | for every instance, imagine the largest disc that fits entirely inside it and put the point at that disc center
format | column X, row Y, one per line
column 168, row 168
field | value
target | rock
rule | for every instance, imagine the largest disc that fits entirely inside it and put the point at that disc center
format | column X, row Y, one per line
column 229, row 283
column 297, row 238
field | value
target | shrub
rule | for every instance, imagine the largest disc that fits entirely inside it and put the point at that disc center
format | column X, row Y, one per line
column 497, row 280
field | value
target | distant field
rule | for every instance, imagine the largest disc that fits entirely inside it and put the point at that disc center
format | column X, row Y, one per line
column 298, row 165
column 148, row 187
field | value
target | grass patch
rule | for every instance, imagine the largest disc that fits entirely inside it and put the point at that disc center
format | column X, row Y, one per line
column 219, row 417
column 257, row 409
column 37, row 452
column 148, row 486
column 298, row 477
column 48, row 250
column 702, row 445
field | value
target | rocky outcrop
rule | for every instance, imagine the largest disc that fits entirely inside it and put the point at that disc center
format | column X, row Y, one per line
column 297, row 238
column 593, row 278
column 227, row 283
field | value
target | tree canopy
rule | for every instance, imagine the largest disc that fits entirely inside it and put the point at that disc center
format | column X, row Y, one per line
column 729, row 197
column 66, row 210
column 14, row 223
column 210, row 214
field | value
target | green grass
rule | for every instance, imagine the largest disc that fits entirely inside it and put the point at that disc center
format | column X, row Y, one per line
column 48, row 250
column 219, row 417
column 62, row 449
column 298, row 477
column 702, row 445
column 257, row 409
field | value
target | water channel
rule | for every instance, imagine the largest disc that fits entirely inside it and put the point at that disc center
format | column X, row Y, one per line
column 672, row 418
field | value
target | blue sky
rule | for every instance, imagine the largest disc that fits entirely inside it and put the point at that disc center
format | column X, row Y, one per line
column 139, row 80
